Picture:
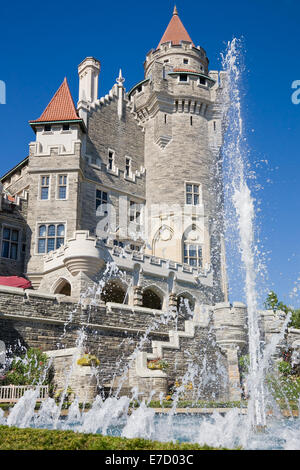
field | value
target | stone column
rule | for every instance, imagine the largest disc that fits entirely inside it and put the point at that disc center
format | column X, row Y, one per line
column 233, row 373
column 231, row 337
column 173, row 302
column 137, row 296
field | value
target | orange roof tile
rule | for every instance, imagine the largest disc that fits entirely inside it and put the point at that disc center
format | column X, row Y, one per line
column 175, row 31
column 61, row 107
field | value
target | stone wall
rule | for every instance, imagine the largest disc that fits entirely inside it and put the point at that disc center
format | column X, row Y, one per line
column 115, row 334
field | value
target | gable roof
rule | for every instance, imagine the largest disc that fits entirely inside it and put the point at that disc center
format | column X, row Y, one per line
column 175, row 31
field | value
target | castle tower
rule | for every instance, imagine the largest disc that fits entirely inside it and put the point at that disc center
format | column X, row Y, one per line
column 54, row 169
column 177, row 106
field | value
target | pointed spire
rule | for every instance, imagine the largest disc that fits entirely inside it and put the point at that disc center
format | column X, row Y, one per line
column 120, row 80
column 61, row 107
column 175, row 31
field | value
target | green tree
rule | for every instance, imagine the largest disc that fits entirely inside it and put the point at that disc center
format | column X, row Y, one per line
column 272, row 303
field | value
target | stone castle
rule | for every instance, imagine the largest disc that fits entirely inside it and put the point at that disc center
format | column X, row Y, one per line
column 125, row 192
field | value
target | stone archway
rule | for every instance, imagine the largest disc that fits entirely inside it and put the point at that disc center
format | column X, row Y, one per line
column 114, row 292
column 63, row 287
column 151, row 299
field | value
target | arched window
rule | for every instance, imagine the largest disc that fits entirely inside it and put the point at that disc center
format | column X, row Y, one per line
column 113, row 292
column 151, row 299
column 50, row 237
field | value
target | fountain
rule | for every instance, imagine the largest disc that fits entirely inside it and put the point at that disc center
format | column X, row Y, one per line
column 230, row 429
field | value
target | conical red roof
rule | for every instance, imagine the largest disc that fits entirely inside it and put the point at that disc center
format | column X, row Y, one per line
column 61, row 107
column 175, row 31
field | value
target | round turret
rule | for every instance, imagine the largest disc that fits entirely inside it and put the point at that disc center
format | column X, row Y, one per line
column 175, row 105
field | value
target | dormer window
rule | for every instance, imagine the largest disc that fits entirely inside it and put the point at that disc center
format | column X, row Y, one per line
column 47, row 128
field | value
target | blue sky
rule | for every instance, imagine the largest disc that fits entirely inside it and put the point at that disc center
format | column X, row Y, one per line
column 41, row 43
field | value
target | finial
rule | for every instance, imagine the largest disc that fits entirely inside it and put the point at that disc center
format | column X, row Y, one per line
column 175, row 12
column 120, row 79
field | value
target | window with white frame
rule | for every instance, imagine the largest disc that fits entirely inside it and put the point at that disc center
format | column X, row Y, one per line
column 192, row 254
column 183, row 77
column 50, row 237
column 45, row 187
column 192, row 194
column 10, row 243
column 62, row 187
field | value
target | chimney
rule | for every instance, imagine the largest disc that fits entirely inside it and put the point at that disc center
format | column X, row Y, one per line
column 88, row 72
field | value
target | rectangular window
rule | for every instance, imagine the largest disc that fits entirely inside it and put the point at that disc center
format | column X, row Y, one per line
column 135, row 215
column 111, row 157
column 183, row 77
column 118, row 243
column 50, row 237
column 135, row 247
column 45, row 181
column 127, row 167
column 10, row 243
column 66, row 127
column 193, row 255
column 62, row 186
column 101, row 198
column 192, row 194
column 47, row 128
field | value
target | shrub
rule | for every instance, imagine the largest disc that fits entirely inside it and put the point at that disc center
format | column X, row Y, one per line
column 31, row 368
column 157, row 364
column 88, row 360
column 12, row 438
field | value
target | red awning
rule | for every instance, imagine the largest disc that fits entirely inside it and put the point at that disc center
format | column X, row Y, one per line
column 15, row 281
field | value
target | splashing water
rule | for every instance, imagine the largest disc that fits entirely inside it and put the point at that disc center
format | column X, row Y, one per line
column 234, row 151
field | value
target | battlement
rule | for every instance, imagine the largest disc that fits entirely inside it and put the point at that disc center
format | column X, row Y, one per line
column 169, row 53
